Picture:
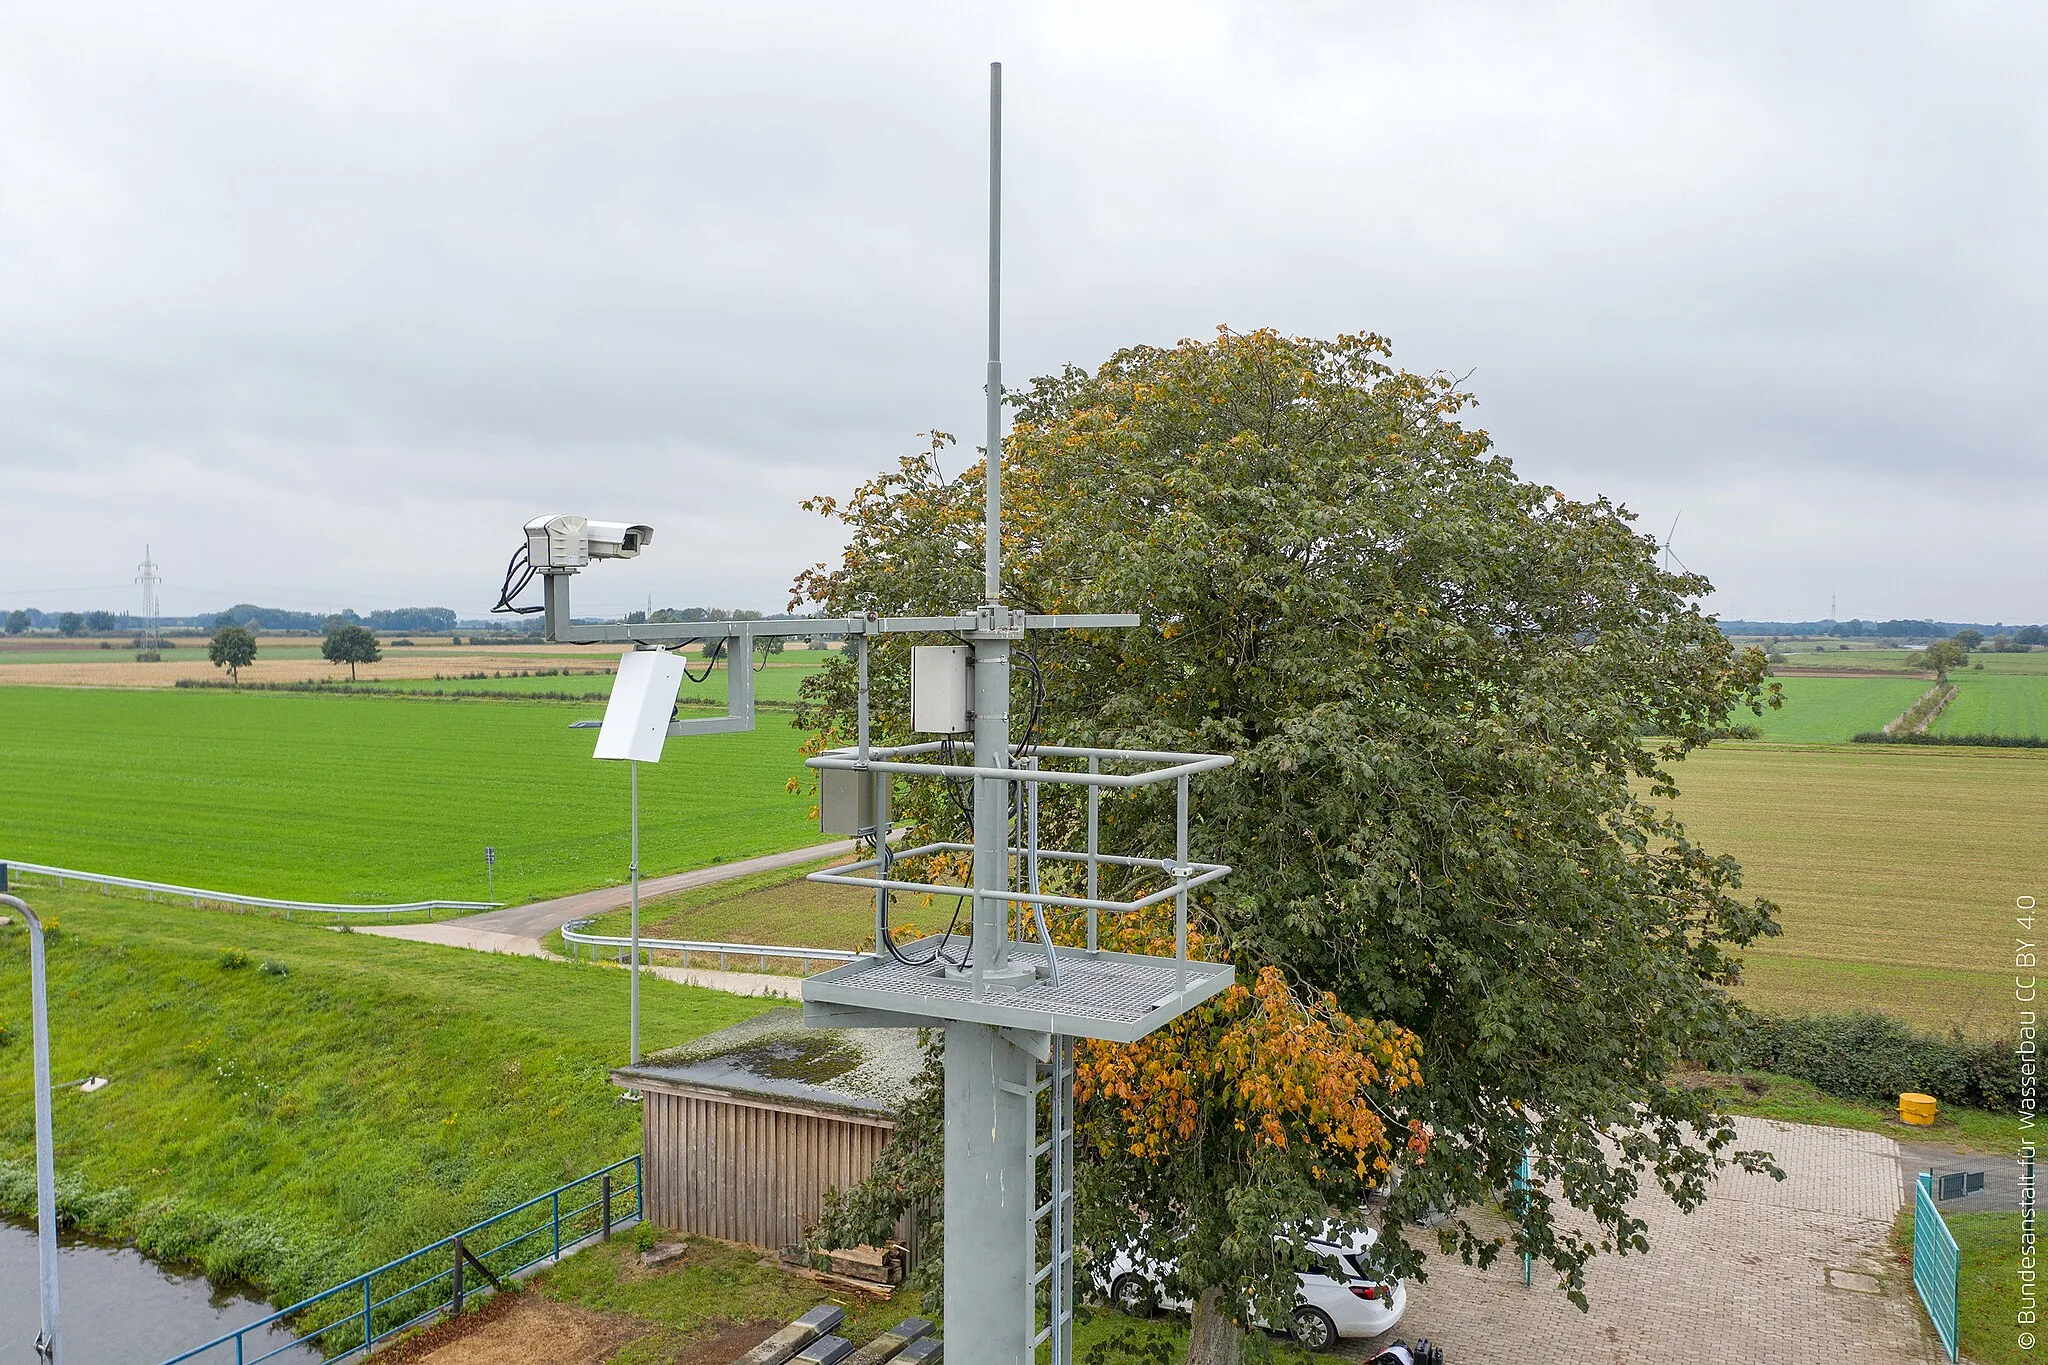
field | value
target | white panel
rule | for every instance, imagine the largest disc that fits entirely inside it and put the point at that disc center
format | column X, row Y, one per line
column 938, row 689
column 643, row 698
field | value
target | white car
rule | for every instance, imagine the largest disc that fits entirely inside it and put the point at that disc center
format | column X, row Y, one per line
column 1324, row 1311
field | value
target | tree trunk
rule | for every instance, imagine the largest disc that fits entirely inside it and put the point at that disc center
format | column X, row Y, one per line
column 1216, row 1339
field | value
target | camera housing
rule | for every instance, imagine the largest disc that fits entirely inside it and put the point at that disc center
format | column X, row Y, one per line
column 566, row 543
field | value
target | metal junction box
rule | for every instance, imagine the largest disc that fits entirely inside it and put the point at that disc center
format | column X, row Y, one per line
column 846, row 801
column 938, row 689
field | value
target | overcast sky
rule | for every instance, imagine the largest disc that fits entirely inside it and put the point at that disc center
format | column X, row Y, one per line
column 323, row 301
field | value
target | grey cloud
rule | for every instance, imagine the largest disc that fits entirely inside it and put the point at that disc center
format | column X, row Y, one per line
column 324, row 301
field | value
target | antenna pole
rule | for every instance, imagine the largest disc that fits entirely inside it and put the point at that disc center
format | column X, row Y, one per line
column 993, row 550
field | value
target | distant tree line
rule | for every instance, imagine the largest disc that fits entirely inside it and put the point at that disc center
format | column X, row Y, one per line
column 1894, row 629
column 424, row 620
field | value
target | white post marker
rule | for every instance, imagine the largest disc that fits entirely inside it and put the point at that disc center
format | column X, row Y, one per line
column 635, row 725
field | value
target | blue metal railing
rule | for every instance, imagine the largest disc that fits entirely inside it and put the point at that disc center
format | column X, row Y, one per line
column 1937, row 1263
column 356, row 1314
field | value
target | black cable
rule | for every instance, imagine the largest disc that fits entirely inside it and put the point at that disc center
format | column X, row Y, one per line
column 710, row 662
column 521, row 561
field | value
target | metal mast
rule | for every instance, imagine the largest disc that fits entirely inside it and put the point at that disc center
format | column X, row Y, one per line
column 988, row 1254
column 146, row 575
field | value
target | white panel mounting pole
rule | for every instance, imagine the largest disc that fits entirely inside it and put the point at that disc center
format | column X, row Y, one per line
column 635, row 973
column 47, row 1349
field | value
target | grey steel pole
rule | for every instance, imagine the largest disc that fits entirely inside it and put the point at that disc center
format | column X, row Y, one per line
column 46, row 1155
column 634, row 972
column 992, row 551
column 988, row 1078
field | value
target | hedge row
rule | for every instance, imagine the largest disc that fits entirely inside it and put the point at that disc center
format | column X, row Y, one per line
column 1875, row 1058
column 1986, row 741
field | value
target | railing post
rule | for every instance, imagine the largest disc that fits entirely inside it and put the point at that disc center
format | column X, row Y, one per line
column 558, row 1224
column 607, row 1207
column 368, row 1303
column 456, row 1297
column 639, row 1187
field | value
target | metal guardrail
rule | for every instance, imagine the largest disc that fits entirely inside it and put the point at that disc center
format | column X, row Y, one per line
column 196, row 894
column 574, row 937
column 369, row 1314
column 1937, row 1263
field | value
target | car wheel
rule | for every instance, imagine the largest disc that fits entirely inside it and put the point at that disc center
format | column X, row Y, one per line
column 1133, row 1296
column 1313, row 1329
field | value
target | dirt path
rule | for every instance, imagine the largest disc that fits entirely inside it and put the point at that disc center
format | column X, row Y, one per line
column 523, row 1329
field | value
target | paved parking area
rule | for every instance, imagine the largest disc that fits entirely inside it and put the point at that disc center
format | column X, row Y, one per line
column 1762, row 1271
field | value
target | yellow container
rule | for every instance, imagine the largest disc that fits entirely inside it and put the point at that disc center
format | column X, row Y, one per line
column 1916, row 1109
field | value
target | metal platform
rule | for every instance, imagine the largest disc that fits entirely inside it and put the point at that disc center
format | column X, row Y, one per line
column 1114, row 997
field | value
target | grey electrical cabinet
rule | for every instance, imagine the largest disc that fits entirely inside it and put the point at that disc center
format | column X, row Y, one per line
column 938, row 689
column 846, row 801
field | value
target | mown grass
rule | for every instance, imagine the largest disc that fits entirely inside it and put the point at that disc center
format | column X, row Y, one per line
column 1987, row 1286
column 775, row 907
column 371, row 798
column 296, row 1129
column 1790, row 1100
column 1989, row 703
column 1895, row 870
column 1821, row 710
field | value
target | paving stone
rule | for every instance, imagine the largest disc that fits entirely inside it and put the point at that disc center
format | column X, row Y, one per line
column 1745, row 1277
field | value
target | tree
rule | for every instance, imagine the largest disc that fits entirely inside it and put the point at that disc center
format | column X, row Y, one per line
column 2029, row 636
column 350, row 644
column 17, row 622
column 1456, row 700
column 232, row 648
column 1940, row 656
column 100, row 622
column 70, row 623
column 1969, row 639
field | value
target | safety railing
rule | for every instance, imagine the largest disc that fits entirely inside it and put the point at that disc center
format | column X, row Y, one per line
column 352, row 1317
column 575, row 935
column 197, row 895
column 1937, row 1263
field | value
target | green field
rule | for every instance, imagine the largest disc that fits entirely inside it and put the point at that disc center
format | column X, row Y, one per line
column 1987, row 703
column 298, row 1128
column 370, row 798
column 1826, row 710
column 1895, row 868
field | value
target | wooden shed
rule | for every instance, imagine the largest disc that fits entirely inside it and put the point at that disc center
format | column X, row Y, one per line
column 744, row 1130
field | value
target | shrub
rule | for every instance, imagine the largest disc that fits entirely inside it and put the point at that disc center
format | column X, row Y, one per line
column 1874, row 1058
column 645, row 1235
column 270, row 968
column 232, row 960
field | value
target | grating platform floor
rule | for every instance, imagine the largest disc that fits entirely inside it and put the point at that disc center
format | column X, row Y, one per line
column 1116, row 997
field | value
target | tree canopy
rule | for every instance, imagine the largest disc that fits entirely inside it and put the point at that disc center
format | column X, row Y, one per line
column 351, row 645
column 1456, row 700
column 1940, row 656
column 232, row 648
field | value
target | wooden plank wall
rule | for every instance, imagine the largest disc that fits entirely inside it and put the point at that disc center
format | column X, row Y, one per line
column 722, row 1167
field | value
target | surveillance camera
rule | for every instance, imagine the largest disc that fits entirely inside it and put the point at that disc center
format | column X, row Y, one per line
column 568, row 542
column 617, row 539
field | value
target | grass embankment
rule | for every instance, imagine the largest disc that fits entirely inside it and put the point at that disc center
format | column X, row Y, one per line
column 365, row 798
column 1895, row 870
column 774, row 907
column 297, row 1129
